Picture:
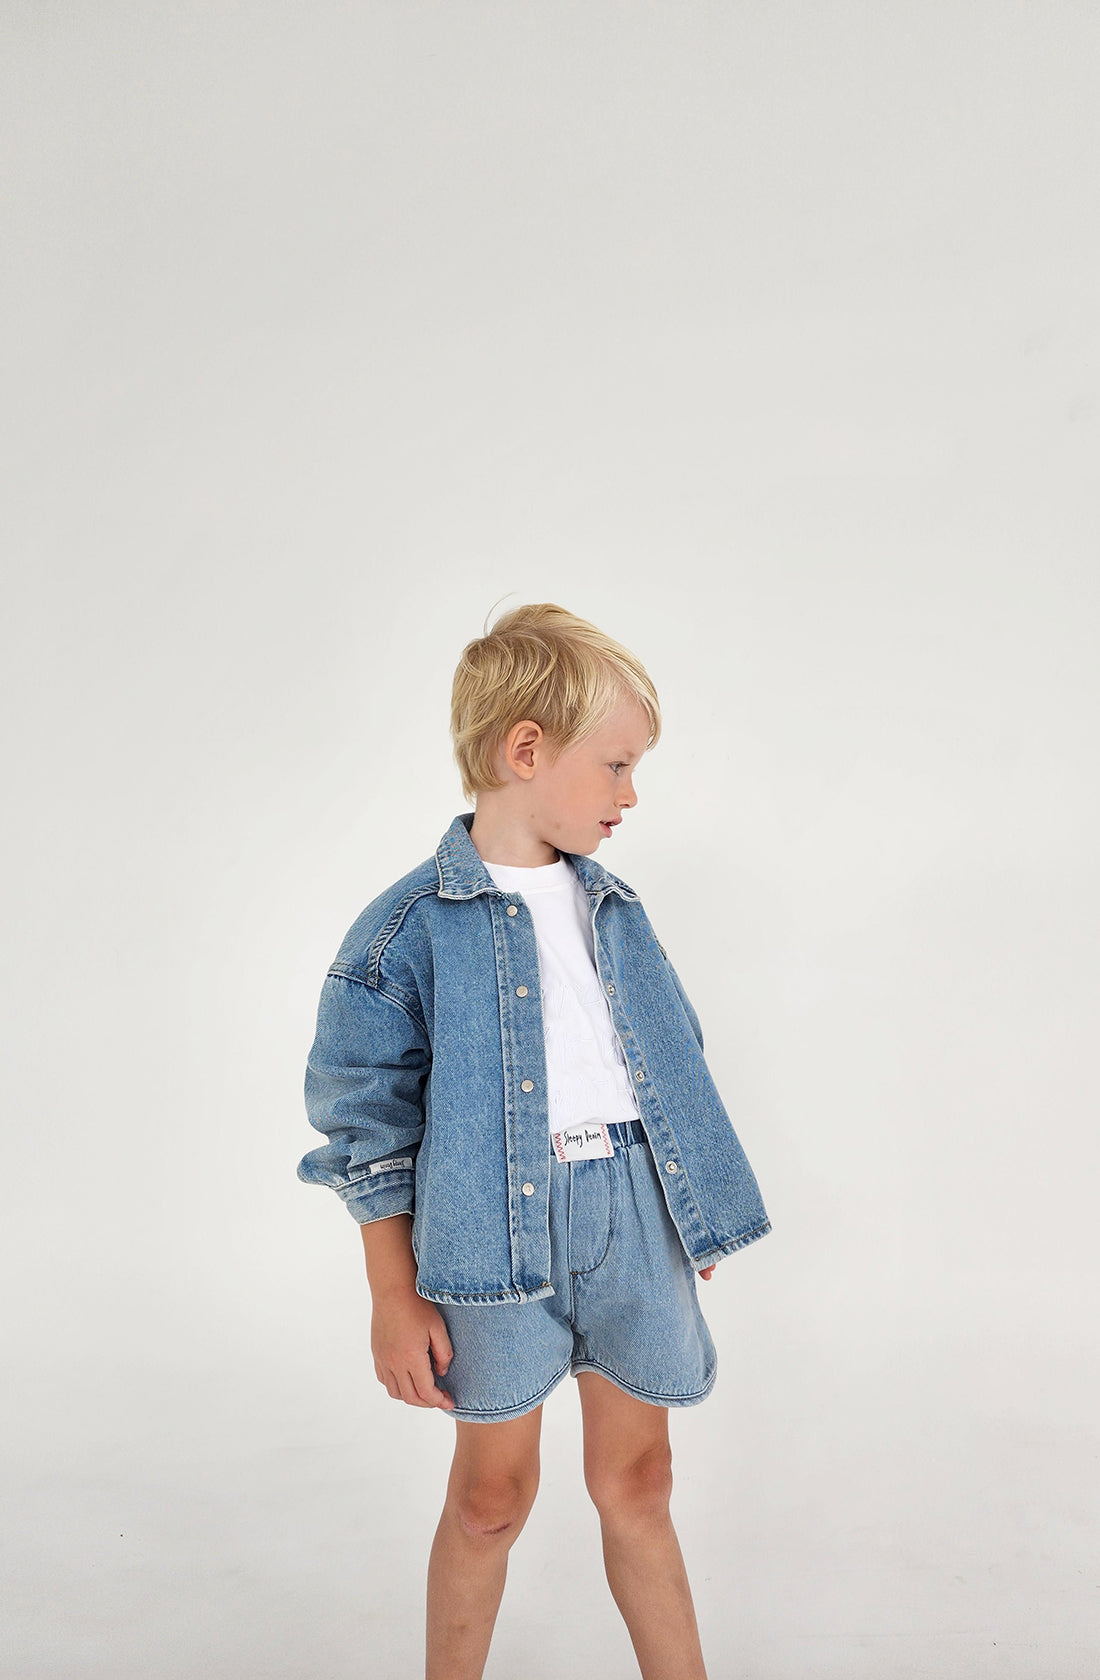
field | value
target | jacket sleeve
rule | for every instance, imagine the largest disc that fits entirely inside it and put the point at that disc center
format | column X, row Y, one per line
column 686, row 1001
column 364, row 1090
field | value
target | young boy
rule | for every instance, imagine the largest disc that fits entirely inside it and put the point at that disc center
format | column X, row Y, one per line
column 521, row 1120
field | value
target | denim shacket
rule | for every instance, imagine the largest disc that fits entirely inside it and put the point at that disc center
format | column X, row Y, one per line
column 427, row 1075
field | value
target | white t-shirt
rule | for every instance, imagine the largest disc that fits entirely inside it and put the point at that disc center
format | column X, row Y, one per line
column 586, row 1072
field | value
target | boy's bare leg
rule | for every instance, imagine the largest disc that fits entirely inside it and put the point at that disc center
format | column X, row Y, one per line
column 492, row 1486
column 628, row 1473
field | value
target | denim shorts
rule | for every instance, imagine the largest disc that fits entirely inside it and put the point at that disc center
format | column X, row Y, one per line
column 625, row 1299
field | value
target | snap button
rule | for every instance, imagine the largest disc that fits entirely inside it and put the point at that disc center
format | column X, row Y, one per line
column 611, row 988
column 528, row 1189
column 639, row 1074
column 512, row 911
column 528, row 1085
column 521, row 991
column 670, row 1166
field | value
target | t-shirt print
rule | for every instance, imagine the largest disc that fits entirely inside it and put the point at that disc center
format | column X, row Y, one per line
column 586, row 1073
column 590, row 1079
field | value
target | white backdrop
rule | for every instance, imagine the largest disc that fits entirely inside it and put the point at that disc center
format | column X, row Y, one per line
column 766, row 337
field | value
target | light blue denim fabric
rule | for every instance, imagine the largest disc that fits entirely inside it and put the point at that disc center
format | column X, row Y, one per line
column 625, row 1301
column 427, row 1075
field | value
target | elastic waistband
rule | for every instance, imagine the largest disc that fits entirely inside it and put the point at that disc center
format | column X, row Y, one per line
column 625, row 1132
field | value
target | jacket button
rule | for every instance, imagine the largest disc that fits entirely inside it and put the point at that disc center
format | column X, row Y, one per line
column 639, row 1074
column 528, row 1085
column 611, row 988
column 521, row 991
column 512, row 911
column 528, row 1189
column 670, row 1166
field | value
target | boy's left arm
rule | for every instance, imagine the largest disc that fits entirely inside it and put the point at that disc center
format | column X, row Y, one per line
column 693, row 1020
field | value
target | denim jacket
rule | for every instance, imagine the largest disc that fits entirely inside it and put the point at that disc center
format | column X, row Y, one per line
column 427, row 1075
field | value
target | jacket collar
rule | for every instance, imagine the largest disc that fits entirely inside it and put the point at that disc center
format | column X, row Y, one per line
column 462, row 871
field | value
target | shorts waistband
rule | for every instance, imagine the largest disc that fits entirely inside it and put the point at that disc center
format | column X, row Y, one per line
column 625, row 1132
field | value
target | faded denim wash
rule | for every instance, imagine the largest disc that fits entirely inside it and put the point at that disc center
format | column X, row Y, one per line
column 427, row 1075
column 625, row 1301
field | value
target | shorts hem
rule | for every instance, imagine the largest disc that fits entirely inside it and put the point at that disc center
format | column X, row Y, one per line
column 466, row 1414
column 643, row 1394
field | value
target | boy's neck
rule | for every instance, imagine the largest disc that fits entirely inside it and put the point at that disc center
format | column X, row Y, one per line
column 501, row 838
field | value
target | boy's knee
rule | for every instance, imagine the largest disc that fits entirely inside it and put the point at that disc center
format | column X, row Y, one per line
column 639, row 1489
column 495, row 1507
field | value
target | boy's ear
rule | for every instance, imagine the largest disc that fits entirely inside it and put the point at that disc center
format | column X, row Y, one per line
column 520, row 745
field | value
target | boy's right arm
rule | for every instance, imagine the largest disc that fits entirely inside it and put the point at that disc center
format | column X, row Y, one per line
column 364, row 1090
column 406, row 1330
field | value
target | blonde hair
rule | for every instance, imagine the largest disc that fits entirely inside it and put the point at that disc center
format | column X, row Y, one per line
column 544, row 663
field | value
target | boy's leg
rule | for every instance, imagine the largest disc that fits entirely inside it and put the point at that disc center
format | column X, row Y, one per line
column 492, row 1486
column 628, row 1473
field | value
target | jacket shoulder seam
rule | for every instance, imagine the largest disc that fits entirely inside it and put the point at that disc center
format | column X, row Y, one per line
column 370, row 968
column 384, row 988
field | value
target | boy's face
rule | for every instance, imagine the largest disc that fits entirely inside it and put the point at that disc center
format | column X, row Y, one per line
column 576, row 796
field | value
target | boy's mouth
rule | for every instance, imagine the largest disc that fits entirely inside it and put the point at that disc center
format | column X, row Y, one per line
column 607, row 827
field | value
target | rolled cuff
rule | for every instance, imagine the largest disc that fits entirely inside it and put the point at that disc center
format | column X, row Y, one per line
column 367, row 1202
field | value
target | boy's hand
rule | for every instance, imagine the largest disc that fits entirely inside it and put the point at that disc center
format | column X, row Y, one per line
column 708, row 1271
column 406, row 1330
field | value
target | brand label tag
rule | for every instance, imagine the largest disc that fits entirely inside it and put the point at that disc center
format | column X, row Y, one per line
column 388, row 1166
column 582, row 1143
